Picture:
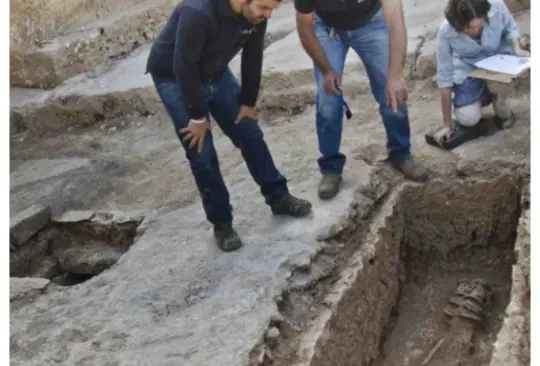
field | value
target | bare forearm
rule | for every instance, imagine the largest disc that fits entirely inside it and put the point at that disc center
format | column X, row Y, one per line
column 313, row 47
column 393, row 12
column 398, row 47
column 446, row 104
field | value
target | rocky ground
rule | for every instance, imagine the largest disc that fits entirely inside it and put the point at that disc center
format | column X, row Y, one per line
column 99, row 141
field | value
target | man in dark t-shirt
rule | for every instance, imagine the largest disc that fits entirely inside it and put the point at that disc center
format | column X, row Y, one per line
column 375, row 30
column 189, row 65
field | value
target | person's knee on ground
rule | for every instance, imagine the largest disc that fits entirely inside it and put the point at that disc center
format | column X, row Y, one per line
column 469, row 115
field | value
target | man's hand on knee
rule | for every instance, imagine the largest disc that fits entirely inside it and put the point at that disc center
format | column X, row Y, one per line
column 246, row 111
column 195, row 133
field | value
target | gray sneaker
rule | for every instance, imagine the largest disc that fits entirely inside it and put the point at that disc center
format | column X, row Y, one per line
column 329, row 186
column 412, row 171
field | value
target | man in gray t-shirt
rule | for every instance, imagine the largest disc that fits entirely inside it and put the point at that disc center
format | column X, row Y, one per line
column 375, row 30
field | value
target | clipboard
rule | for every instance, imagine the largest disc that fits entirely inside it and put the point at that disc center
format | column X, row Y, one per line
column 495, row 76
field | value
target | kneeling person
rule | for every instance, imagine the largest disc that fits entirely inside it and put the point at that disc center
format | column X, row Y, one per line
column 189, row 65
column 473, row 30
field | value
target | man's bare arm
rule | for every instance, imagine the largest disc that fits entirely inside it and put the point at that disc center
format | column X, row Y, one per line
column 310, row 42
column 393, row 12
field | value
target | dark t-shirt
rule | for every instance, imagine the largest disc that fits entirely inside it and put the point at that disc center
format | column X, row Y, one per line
column 341, row 14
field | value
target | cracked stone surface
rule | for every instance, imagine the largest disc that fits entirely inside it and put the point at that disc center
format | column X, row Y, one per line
column 190, row 280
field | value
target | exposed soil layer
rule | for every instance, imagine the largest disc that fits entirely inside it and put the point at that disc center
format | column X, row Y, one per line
column 385, row 305
column 419, row 323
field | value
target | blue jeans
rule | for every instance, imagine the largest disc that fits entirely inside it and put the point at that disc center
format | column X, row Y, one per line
column 471, row 91
column 371, row 43
column 221, row 101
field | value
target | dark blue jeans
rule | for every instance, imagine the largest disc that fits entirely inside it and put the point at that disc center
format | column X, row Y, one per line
column 371, row 43
column 221, row 101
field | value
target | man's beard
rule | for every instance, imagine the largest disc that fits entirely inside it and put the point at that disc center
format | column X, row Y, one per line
column 246, row 11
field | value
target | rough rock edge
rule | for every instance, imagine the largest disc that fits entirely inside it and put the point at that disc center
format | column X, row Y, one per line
column 85, row 216
column 319, row 333
column 366, row 204
column 33, row 288
column 27, row 223
column 512, row 347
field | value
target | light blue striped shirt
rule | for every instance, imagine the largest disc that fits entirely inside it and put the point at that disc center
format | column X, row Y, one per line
column 457, row 52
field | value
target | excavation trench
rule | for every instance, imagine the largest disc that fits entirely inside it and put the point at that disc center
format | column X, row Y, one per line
column 396, row 301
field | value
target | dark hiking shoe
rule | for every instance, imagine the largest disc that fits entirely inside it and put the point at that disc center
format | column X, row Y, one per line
column 412, row 171
column 291, row 206
column 226, row 238
column 329, row 186
column 504, row 123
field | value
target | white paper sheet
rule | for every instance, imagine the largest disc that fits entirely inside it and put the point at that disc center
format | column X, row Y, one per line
column 505, row 64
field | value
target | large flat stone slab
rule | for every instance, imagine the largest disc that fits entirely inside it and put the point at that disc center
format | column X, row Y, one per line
column 174, row 298
column 99, row 41
column 27, row 223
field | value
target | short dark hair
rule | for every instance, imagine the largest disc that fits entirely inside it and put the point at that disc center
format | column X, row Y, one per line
column 459, row 13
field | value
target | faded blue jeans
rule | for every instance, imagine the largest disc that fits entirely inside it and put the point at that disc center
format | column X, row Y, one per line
column 371, row 43
column 221, row 101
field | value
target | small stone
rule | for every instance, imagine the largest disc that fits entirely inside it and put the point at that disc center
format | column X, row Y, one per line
column 416, row 352
column 89, row 260
column 103, row 127
column 269, row 354
column 112, row 129
column 260, row 358
column 74, row 216
column 272, row 335
column 277, row 319
column 28, row 222
column 120, row 217
column 426, row 66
